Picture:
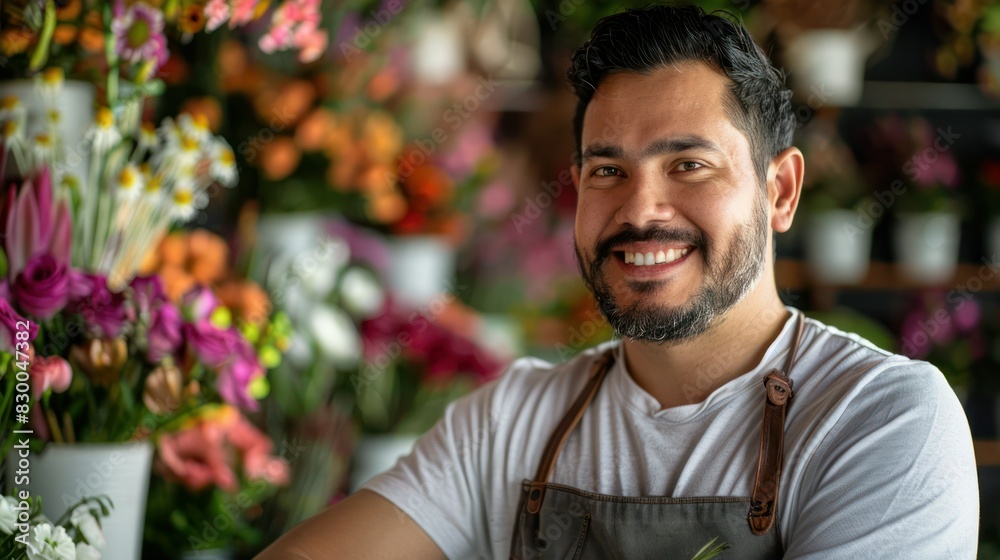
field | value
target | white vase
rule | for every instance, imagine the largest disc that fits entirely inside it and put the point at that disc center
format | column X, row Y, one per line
column 838, row 248
column 76, row 110
column 827, row 65
column 63, row 474
column 422, row 268
column 208, row 554
column 376, row 454
column 927, row 246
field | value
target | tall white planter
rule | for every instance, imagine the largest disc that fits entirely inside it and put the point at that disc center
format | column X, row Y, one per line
column 927, row 246
column 76, row 111
column 422, row 268
column 828, row 65
column 63, row 474
column 376, row 454
column 838, row 249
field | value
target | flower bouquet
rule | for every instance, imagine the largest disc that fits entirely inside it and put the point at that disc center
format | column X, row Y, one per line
column 26, row 533
column 945, row 331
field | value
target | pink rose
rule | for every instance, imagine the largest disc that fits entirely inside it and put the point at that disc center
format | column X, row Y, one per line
column 9, row 327
column 42, row 288
column 51, row 372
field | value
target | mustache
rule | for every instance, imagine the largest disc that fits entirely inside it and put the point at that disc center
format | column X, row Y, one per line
column 631, row 234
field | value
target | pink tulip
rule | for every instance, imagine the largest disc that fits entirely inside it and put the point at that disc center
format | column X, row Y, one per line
column 51, row 372
column 33, row 225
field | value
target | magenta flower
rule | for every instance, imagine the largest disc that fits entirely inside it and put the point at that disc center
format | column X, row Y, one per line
column 235, row 377
column 164, row 336
column 213, row 346
column 102, row 309
column 138, row 34
column 10, row 324
column 42, row 288
column 199, row 303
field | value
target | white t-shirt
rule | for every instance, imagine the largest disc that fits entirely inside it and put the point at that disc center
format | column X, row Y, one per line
column 878, row 456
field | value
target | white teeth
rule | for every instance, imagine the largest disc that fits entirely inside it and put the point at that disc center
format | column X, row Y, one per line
column 659, row 257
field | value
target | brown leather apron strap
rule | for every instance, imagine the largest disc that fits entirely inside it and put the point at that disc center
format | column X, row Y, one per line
column 763, row 502
column 565, row 428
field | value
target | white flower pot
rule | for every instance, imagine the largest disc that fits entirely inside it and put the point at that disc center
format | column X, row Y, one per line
column 422, row 268
column 63, row 474
column 838, row 248
column 827, row 65
column 376, row 454
column 927, row 246
column 76, row 108
column 208, row 554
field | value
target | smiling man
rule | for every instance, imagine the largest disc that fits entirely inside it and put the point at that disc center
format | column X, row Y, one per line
column 719, row 415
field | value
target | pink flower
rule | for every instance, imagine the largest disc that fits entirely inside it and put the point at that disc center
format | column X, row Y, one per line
column 235, row 377
column 213, row 346
column 102, row 309
column 199, row 303
column 216, row 13
column 164, row 335
column 42, row 289
column 33, row 225
column 10, row 324
column 310, row 41
column 51, row 372
column 966, row 315
column 243, row 12
column 278, row 38
column 138, row 34
column 254, row 448
column 196, row 457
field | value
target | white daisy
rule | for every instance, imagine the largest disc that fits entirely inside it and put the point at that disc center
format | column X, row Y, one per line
column 130, row 182
column 49, row 84
column 196, row 125
column 103, row 134
column 44, row 149
column 183, row 204
column 147, row 137
column 223, row 167
column 11, row 108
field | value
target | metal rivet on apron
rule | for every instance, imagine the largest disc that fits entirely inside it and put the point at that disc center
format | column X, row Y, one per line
column 541, row 544
column 535, row 493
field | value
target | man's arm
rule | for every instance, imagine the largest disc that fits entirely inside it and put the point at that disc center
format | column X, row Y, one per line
column 364, row 525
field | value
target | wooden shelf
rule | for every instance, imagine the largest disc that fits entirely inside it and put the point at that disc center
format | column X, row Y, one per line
column 987, row 452
column 794, row 275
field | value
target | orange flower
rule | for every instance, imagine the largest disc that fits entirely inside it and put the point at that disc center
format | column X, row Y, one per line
column 101, row 359
column 377, row 179
column 311, row 133
column 14, row 41
column 192, row 18
column 176, row 282
column 382, row 85
column 247, row 300
column 381, row 137
column 233, row 63
column 64, row 34
column 208, row 107
column 279, row 158
column 173, row 250
column 209, row 255
column 428, row 187
column 294, row 99
column 69, row 11
column 386, row 208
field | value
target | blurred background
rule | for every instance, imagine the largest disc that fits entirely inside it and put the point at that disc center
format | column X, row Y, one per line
column 398, row 221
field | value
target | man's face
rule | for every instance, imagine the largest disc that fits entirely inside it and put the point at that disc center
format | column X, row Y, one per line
column 667, row 176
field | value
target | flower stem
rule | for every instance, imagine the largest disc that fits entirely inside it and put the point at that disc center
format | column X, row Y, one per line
column 41, row 54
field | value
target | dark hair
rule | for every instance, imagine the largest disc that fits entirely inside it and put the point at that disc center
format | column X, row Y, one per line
column 641, row 40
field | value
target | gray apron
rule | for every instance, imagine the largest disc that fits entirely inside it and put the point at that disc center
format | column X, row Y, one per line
column 558, row 521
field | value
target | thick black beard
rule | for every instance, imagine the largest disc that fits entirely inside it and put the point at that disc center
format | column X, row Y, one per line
column 727, row 282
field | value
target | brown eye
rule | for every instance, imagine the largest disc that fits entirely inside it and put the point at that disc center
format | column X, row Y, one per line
column 690, row 166
column 607, row 172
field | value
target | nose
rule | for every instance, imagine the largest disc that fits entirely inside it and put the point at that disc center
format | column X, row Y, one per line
column 647, row 201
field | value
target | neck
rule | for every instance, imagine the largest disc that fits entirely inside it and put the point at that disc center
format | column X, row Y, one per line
column 689, row 371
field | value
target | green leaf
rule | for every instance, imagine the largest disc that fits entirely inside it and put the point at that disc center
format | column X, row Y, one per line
column 710, row 551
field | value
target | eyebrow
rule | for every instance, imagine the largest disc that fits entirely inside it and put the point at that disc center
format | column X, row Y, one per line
column 658, row 147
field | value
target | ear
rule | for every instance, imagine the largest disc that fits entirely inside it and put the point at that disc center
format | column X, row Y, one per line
column 784, row 185
column 574, row 170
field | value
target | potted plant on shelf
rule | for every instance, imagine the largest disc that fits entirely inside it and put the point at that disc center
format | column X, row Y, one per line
column 836, row 204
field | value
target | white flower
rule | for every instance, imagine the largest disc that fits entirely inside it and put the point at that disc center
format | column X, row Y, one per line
column 362, row 294
column 196, row 126
column 84, row 520
column 335, row 334
column 86, row 552
column 8, row 517
column 147, row 137
column 130, row 182
column 44, row 149
column 183, row 204
column 223, row 167
column 49, row 84
column 48, row 544
column 103, row 134
column 11, row 108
